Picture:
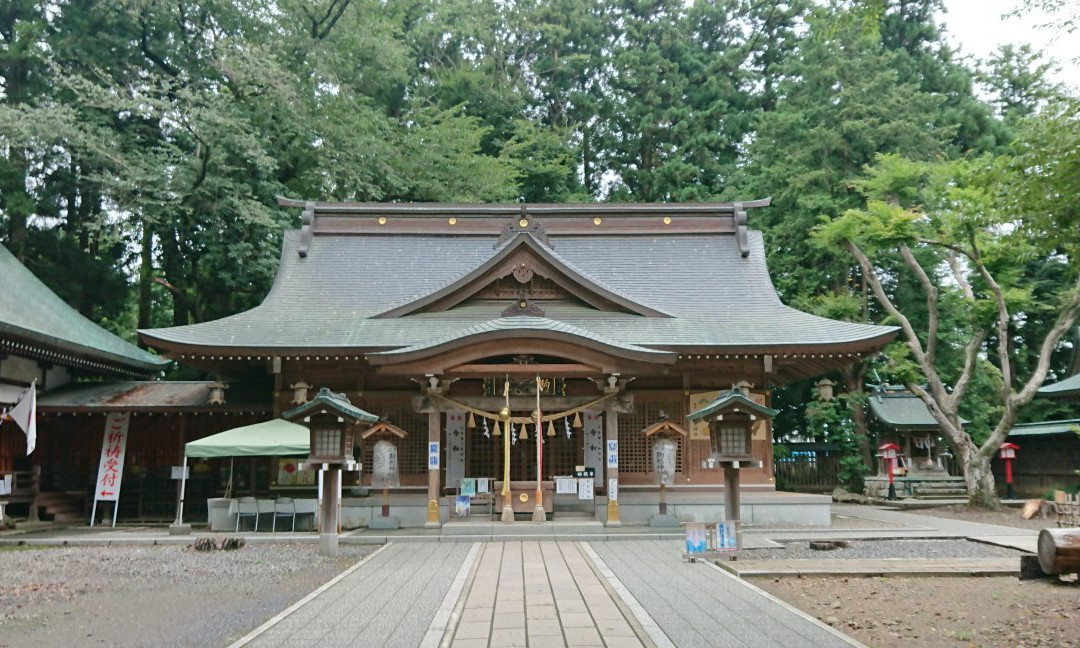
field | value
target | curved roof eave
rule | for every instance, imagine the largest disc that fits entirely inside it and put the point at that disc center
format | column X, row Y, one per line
column 523, row 328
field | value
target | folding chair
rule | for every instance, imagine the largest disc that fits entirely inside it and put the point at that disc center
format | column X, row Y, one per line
column 247, row 507
column 308, row 507
column 266, row 507
column 284, row 507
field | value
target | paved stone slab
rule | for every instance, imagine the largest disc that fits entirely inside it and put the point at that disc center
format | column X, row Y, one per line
column 696, row 605
column 537, row 594
column 380, row 604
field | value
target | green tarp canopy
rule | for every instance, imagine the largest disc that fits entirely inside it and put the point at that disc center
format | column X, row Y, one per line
column 278, row 438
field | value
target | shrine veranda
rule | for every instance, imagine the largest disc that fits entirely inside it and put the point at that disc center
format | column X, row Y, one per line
column 437, row 317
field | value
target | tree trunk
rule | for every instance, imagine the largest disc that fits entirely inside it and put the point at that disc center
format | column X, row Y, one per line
column 146, row 277
column 979, row 480
column 854, row 375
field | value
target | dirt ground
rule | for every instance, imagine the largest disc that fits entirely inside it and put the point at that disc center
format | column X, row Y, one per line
column 159, row 596
column 901, row 612
column 956, row 611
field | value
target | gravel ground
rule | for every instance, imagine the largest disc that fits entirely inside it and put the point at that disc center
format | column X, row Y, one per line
column 875, row 549
column 855, row 522
column 154, row 595
column 988, row 612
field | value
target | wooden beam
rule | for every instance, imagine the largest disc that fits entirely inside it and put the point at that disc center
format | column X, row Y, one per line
column 488, row 370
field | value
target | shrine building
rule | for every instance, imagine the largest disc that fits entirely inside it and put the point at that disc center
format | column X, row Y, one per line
column 455, row 323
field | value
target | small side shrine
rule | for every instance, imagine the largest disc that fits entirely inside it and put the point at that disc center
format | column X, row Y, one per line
column 920, row 468
column 331, row 420
column 731, row 418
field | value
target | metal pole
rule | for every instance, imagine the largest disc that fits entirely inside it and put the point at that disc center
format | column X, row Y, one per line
column 183, row 486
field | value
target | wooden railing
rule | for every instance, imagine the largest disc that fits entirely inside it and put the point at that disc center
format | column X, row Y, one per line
column 807, row 473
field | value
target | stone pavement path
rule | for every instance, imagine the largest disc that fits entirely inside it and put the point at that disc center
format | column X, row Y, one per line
column 698, row 605
column 389, row 601
column 540, row 594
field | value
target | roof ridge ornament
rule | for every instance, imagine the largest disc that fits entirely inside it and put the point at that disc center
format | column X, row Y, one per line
column 740, row 230
column 307, row 229
column 523, row 225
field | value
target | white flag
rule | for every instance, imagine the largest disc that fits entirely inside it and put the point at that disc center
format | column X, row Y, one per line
column 25, row 416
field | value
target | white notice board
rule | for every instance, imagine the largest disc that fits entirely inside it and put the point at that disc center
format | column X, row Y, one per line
column 111, row 464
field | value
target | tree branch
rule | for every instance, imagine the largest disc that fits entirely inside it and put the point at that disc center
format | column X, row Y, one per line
column 931, row 301
column 1002, row 320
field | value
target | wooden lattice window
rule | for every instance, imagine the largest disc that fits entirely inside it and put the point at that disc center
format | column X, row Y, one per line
column 484, row 456
column 635, row 451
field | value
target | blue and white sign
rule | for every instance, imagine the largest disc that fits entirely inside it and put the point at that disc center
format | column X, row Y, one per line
column 726, row 540
column 433, row 455
column 612, row 453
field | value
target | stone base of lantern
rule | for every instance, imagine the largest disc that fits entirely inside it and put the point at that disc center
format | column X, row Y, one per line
column 668, row 520
column 381, row 523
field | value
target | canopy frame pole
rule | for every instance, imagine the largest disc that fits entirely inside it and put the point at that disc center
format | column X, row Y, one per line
column 183, row 485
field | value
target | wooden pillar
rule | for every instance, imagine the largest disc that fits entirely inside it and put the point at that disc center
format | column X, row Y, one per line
column 328, row 538
column 611, row 434
column 434, row 435
column 731, row 493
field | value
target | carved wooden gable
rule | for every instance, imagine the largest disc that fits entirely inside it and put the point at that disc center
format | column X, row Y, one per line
column 525, row 270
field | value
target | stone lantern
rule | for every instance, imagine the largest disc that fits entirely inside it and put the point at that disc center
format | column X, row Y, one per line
column 330, row 418
column 731, row 419
column 665, row 451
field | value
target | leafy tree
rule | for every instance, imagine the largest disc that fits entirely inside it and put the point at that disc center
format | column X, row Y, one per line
column 960, row 233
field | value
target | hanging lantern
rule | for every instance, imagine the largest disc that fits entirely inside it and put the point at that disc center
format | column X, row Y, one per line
column 577, row 419
column 551, row 428
column 472, row 420
column 496, row 431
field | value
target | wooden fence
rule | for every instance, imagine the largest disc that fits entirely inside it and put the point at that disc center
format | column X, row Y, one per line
column 808, row 471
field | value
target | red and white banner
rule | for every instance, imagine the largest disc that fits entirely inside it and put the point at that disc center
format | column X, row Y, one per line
column 111, row 466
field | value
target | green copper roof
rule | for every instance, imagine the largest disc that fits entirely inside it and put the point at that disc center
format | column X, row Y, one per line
column 356, row 287
column 328, row 401
column 1068, row 387
column 903, row 411
column 1046, row 428
column 33, row 315
column 734, row 399
column 535, row 325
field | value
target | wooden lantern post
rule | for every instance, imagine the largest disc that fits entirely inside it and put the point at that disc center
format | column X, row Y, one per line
column 384, row 432
column 731, row 418
column 664, row 432
column 330, row 418
column 1008, row 453
column 887, row 451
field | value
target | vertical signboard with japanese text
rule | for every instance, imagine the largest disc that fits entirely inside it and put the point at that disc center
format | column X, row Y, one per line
column 111, row 465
